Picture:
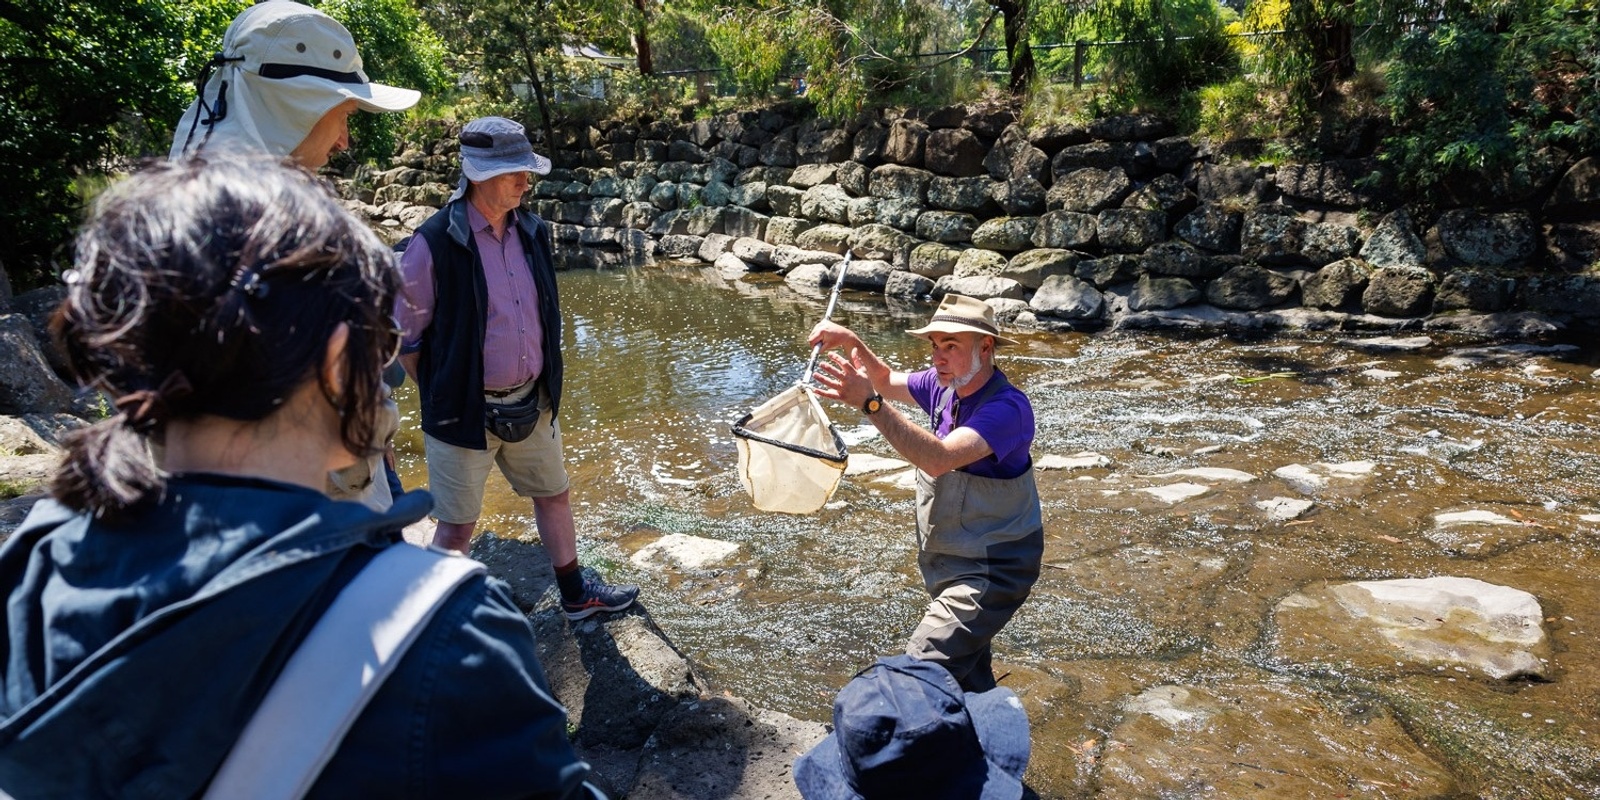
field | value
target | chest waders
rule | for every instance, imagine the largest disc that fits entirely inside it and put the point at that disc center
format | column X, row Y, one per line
column 979, row 544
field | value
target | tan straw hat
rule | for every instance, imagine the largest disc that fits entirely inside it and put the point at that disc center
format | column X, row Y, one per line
column 958, row 314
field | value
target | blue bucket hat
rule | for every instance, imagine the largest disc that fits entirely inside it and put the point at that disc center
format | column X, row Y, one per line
column 903, row 728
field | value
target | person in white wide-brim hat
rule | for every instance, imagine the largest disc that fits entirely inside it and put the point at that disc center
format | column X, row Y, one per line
column 285, row 83
column 980, row 534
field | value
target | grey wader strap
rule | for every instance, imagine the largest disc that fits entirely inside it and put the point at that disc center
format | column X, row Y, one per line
column 349, row 653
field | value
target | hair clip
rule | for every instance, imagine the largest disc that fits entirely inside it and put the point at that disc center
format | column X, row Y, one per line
column 251, row 284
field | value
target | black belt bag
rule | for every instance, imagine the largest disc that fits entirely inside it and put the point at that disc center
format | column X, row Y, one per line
column 515, row 421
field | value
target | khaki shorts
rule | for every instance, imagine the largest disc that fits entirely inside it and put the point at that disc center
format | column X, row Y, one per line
column 533, row 467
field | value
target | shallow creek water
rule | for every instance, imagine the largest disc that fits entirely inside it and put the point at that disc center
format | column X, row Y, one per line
column 1141, row 598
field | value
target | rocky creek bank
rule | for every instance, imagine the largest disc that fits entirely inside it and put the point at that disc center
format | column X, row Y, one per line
column 1118, row 223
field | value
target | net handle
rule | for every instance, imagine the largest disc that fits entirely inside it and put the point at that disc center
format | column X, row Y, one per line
column 809, row 376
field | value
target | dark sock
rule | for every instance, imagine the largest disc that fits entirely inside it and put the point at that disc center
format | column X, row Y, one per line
column 569, row 579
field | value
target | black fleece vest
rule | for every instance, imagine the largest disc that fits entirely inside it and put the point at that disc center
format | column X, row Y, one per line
column 450, row 365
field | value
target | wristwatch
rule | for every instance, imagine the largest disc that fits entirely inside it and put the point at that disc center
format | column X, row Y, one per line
column 873, row 404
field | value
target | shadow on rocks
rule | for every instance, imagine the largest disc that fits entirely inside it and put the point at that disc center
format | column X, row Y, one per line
column 638, row 712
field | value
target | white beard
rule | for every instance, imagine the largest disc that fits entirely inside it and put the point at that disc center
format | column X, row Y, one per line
column 960, row 381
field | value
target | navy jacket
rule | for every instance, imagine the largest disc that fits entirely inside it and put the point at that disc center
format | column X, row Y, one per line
column 133, row 654
column 450, row 367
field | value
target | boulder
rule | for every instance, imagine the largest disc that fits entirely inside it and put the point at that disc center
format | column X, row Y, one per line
column 955, row 152
column 751, row 195
column 1326, row 242
column 1180, row 260
column 786, row 230
column 979, row 263
column 882, row 243
column 1064, row 229
column 811, row 278
column 1330, row 183
column 1577, row 193
column 754, row 252
column 1065, row 297
column 1415, row 625
column 972, row 195
column 902, row 214
column 946, row 226
column 1032, row 267
column 901, row 283
column 868, row 274
column 1019, row 197
column 1565, row 295
column 1337, row 285
column 1151, row 294
column 831, row 238
column 1173, row 153
column 1100, row 155
column 825, row 203
column 933, row 260
column 852, row 176
column 1249, row 287
column 606, row 213
column 1130, row 230
column 784, row 200
column 823, row 146
column 730, row 266
column 1089, row 190
column 806, row 176
column 788, row 257
column 27, row 383
column 907, row 143
column 665, row 196
column 639, row 215
column 1272, row 236
column 1471, row 290
column 1394, row 243
column 1475, row 239
column 779, row 152
column 980, row 287
column 1224, row 181
column 1005, row 234
column 1013, row 156
column 896, row 182
column 1398, row 292
column 675, row 245
column 1164, row 193
column 713, row 246
column 1573, row 247
column 1109, row 270
column 702, row 220
column 868, row 145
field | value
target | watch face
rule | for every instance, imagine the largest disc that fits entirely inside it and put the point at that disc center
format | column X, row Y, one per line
column 873, row 404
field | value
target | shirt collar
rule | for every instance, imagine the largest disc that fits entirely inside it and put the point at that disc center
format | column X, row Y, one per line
column 478, row 223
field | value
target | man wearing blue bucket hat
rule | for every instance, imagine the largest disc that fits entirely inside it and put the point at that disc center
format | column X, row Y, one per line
column 904, row 729
column 482, row 339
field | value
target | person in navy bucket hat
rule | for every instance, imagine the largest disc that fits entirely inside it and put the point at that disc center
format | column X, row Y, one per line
column 903, row 728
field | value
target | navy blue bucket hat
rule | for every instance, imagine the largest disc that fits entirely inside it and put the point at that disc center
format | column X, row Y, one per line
column 903, row 728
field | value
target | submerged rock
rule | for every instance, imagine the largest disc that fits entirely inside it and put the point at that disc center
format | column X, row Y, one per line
column 1409, row 624
column 685, row 552
column 1258, row 739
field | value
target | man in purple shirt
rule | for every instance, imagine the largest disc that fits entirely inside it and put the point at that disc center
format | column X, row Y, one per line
column 980, row 535
column 482, row 339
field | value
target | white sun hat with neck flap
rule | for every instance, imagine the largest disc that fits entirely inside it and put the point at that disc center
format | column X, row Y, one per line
column 283, row 66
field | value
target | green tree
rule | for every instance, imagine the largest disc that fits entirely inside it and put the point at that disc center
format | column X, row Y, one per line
column 398, row 48
column 78, row 80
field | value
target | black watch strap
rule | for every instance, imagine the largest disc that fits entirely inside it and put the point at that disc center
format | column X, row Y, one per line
column 872, row 405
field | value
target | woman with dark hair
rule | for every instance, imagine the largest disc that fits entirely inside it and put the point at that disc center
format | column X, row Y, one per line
column 239, row 318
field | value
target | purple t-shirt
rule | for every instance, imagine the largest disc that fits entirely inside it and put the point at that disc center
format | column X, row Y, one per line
column 1004, row 419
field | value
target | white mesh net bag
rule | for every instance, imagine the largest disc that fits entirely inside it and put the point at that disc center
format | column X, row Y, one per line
column 790, row 455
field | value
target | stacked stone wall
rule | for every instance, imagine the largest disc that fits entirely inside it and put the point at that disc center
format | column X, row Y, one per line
column 1058, row 225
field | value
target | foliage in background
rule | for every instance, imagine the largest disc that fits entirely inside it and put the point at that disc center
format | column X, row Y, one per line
column 397, row 48
column 78, row 78
column 1175, row 48
column 1479, row 95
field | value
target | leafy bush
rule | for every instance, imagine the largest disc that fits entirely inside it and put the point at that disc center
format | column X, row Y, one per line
column 1476, row 98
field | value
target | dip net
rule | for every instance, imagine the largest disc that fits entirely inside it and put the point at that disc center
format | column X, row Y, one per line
column 790, row 456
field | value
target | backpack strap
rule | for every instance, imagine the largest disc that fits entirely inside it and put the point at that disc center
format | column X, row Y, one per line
column 339, row 667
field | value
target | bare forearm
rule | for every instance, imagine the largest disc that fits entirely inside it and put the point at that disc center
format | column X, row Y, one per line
column 926, row 451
